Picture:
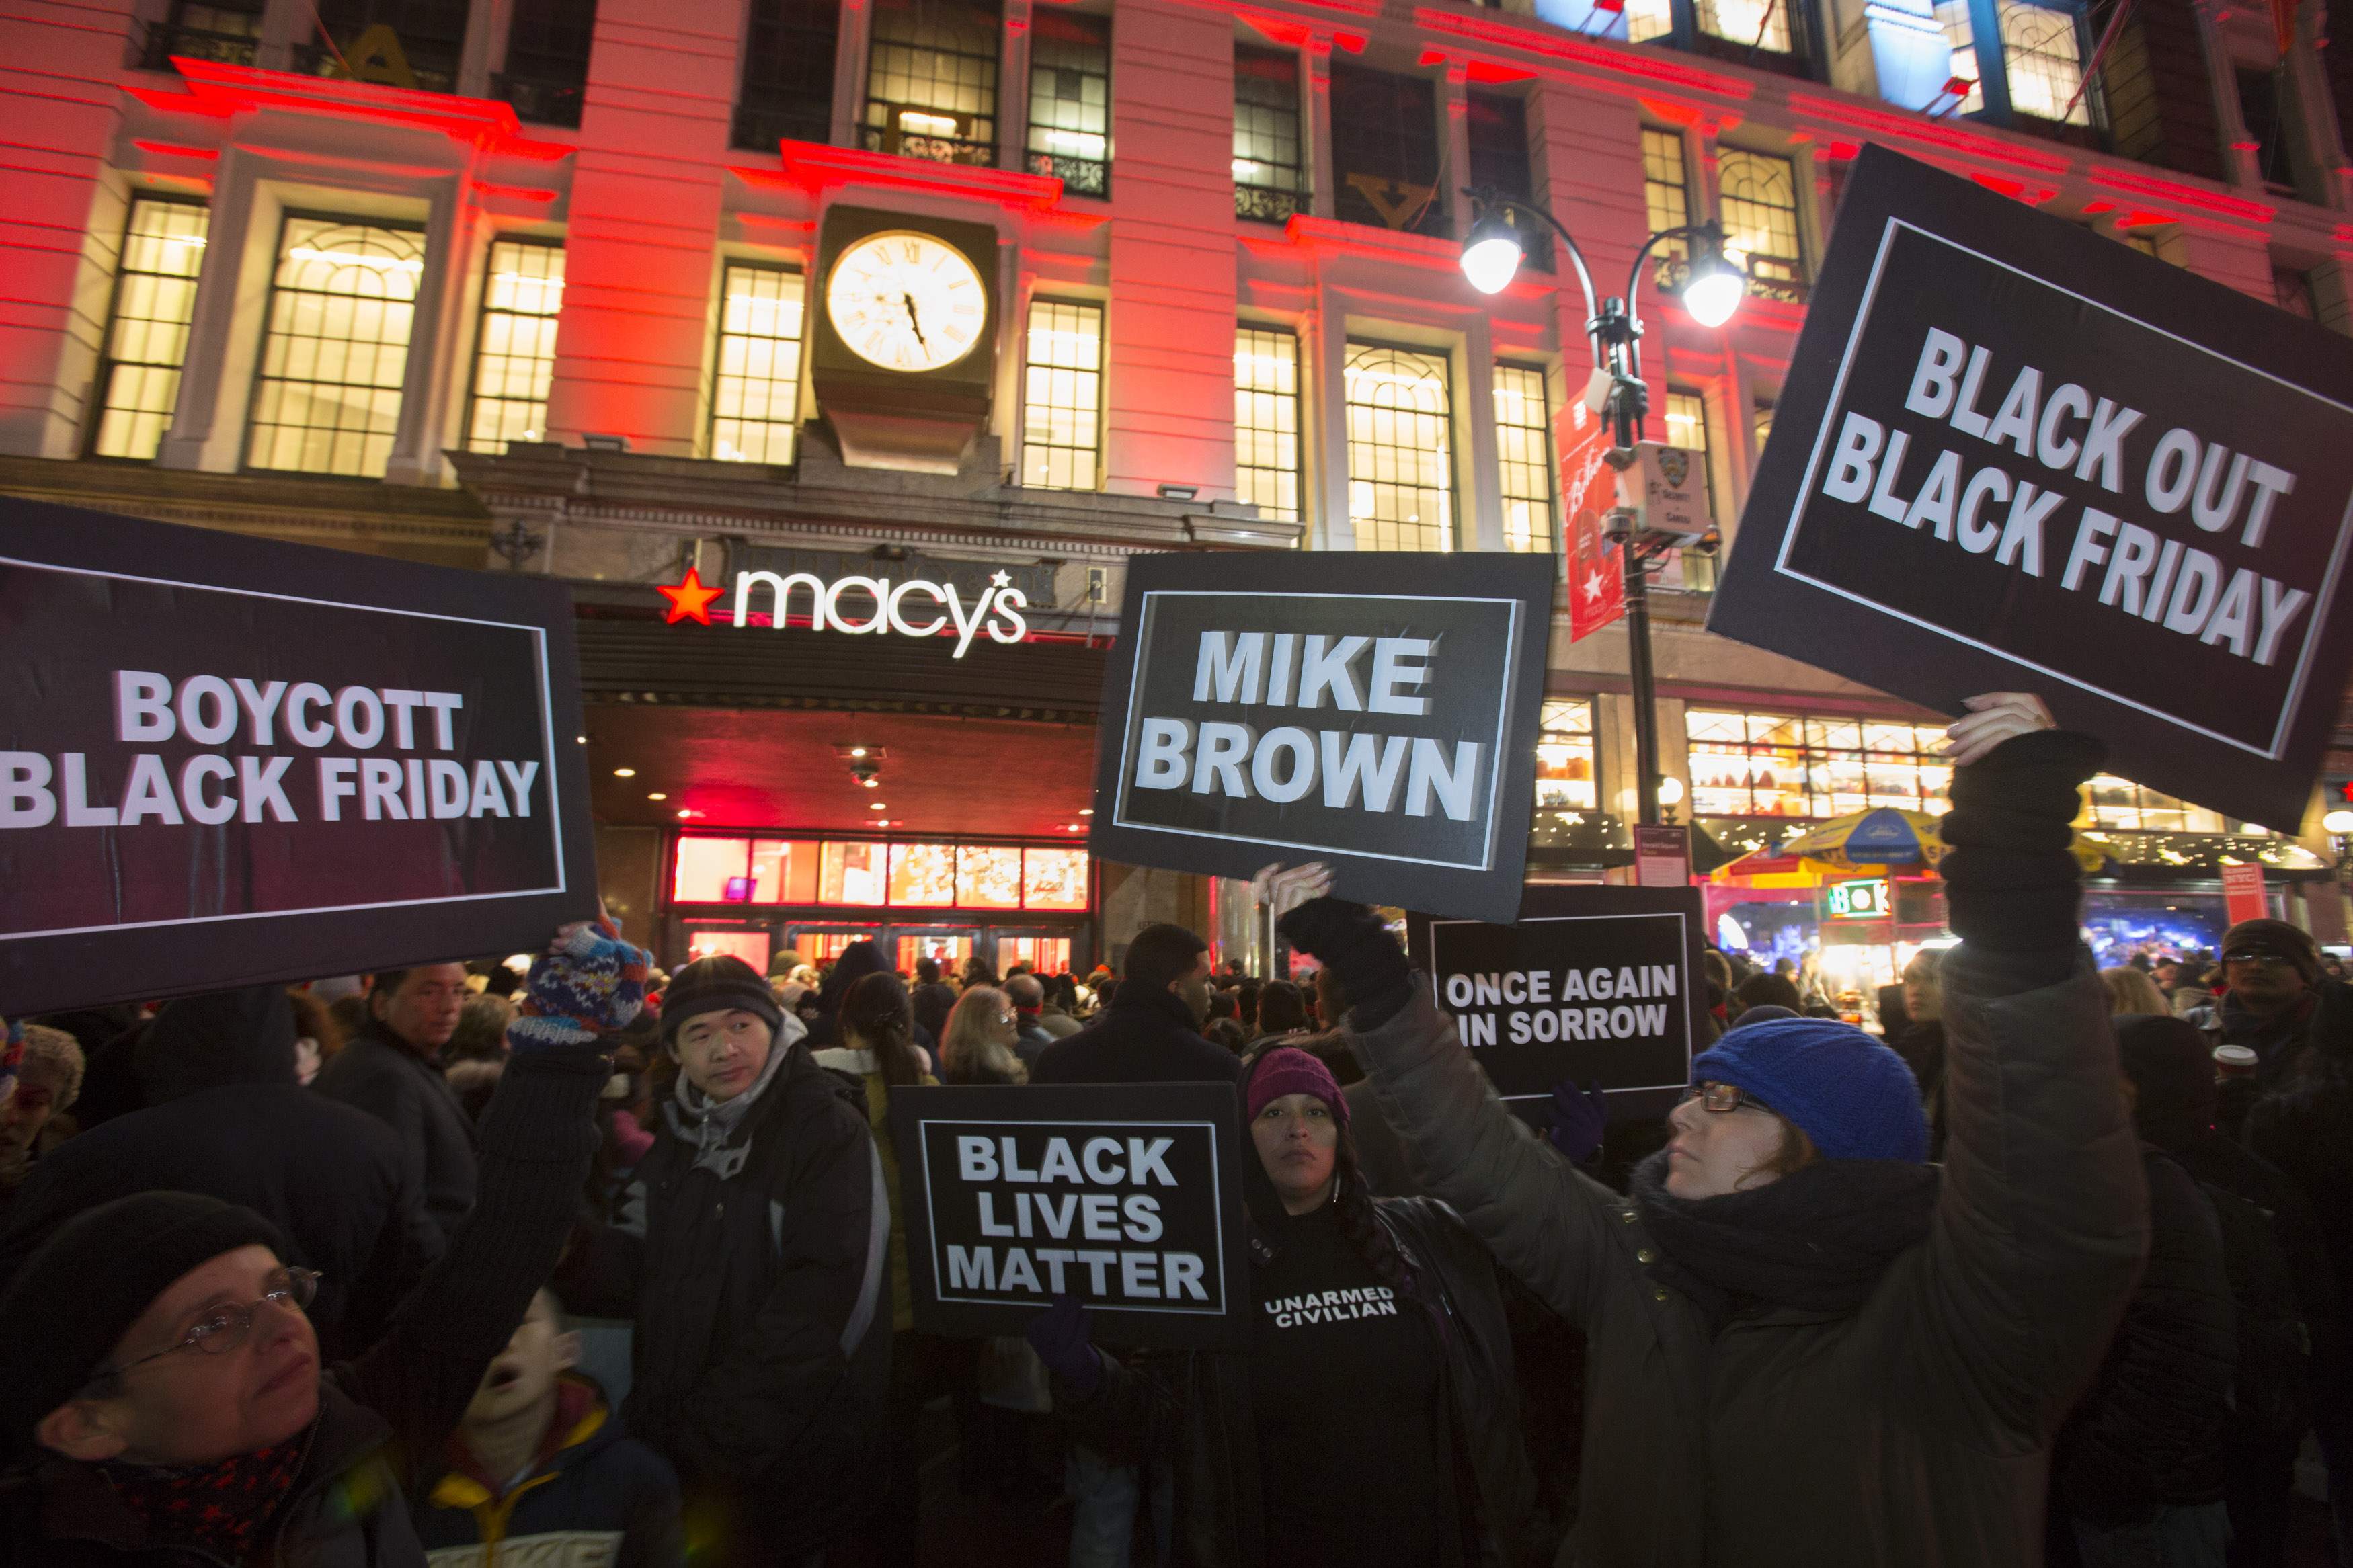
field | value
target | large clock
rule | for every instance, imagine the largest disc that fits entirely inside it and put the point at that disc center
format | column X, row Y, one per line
column 906, row 301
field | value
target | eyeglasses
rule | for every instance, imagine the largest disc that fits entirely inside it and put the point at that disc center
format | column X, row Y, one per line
column 224, row 1328
column 1005, row 1018
column 1720, row 1098
column 2260, row 960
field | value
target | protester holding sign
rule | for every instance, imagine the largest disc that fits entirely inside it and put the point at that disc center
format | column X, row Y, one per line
column 172, row 1403
column 762, row 1348
column 1378, row 1370
column 1806, row 1347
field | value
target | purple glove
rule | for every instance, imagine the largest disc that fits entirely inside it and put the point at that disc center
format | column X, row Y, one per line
column 1059, row 1335
column 1580, row 1116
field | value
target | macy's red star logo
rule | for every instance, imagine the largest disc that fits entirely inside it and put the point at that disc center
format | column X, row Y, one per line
column 689, row 601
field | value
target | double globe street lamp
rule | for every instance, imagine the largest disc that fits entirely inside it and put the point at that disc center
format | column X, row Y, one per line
column 1712, row 290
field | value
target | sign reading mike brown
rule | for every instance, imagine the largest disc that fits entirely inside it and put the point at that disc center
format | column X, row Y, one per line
column 2014, row 455
column 226, row 760
column 1376, row 711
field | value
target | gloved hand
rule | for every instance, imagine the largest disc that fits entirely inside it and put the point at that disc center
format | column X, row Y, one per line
column 1061, row 1335
column 1579, row 1118
column 2011, row 880
column 1350, row 940
column 587, row 984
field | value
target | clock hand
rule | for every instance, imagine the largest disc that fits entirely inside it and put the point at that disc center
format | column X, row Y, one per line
column 912, row 320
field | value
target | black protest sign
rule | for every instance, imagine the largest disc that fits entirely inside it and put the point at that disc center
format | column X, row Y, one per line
column 2012, row 455
column 1376, row 711
column 226, row 760
column 1126, row 1197
column 1592, row 984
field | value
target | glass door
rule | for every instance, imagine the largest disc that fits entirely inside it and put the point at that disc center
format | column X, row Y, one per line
column 1045, row 952
column 752, row 943
column 950, row 946
column 821, row 945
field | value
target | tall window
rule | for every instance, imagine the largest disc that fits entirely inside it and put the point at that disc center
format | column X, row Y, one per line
column 2042, row 54
column 1266, row 182
column 1686, row 414
column 514, row 350
column 1647, row 19
column 1751, row 24
column 1666, row 198
column 1771, row 765
column 755, row 397
column 1524, row 457
column 1266, row 420
column 1400, row 449
column 1960, row 40
column 1070, row 100
column 1385, row 150
column 931, row 81
column 547, row 59
column 1760, row 209
column 326, row 398
column 786, row 93
column 1497, row 133
column 1061, row 395
column 1565, row 775
column 229, row 30
column 147, row 331
column 2259, row 109
column 412, row 44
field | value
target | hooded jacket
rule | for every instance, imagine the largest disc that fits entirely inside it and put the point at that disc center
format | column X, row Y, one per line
column 761, row 1353
column 1144, row 1037
column 1914, row 1428
column 377, row 1072
column 592, row 1495
column 226, row 1118
column 383, row 1417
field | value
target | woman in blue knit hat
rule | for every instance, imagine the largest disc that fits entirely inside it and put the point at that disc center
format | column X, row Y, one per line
column 1807, row 1346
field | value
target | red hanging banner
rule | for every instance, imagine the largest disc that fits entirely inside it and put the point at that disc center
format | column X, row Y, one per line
column 1596, row 582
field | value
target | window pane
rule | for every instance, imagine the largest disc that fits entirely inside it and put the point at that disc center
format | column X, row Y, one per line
column 1061, row 409
column 1266, row 134
column 1564, row 777
column 1960, row 37
column 336, row 348
column 1266, row 421
column 1647, row 19
column 1788, row 766
column 755, row 396
column 1385, row 150
column 1760, row 220
column 750, row 946
column 705, row 867
column 155, row 299
column 514, row 353
column 1753, row 24
column 1524, row 460
column 987, row 878
column 849, row 873
column 1054, row 878
column 784, row 872
column 922, row 874
column 1400, row 449
column 1070, row 100
column 930, row 82
column 787, row 91
column 2041, row 48
column 1666, row 194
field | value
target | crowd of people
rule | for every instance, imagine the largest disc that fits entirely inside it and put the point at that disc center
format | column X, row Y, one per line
column 561, row 1258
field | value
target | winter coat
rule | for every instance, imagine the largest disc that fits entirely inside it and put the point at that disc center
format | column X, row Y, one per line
column 2149, row 1432
column 2323, row 1024
column 878, row 1123
column 600, row 1498
column 378, row 1073
column 1912, row 1430
column 932, row 1003
column 1057, row 1023
column 1145, row 1037
column 1196, row 1406
column 383, row 1417
column 761, row 1353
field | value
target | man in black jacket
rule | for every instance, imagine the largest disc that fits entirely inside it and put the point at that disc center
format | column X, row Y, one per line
column 391, row 1070
column 226, row 1118
column 1151, row 1033
column 161, row 1399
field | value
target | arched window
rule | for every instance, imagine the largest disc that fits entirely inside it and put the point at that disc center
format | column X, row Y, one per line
column 1400, row 449
column 326, row 396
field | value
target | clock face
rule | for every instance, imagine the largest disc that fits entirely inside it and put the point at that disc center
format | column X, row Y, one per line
column 906, row 301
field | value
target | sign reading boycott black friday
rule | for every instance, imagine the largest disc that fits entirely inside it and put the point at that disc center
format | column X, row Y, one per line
column 2013, row 455
column 1592, row 984
column 1126, row 1196
column 226, row 760
column 1376, row 711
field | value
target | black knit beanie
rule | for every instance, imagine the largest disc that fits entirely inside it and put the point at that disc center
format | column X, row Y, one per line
column 2279, row 938
column 89, row 1282
column 716, row 984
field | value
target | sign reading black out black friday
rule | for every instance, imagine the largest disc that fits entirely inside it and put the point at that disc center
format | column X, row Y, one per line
column 226, row 760
column 1124, row 1197
column 1375, row 712
column 2012, row 454
column 1592, row 984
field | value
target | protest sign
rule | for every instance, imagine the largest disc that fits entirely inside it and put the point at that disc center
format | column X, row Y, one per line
column 1594, row 983
column 1376, row 711
column 1127, row 1196
column 2012, row 455
column 226, row 760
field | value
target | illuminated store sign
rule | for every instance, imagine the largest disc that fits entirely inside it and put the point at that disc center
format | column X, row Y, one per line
column 857, row 603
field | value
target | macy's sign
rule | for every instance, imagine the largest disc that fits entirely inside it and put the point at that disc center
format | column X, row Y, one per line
column 915, row 608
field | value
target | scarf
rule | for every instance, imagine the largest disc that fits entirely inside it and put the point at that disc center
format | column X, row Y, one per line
column 711, row 1127
column 217, row 1508
column 1816, row 1240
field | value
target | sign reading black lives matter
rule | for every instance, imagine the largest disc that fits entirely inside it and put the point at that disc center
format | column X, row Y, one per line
column 1592, row 984
column 225, row 761
column 1126, row 1196
column 1375, row 712
column 2014, row 455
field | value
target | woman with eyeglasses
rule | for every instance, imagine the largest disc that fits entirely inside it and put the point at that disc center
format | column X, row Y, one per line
column 1807, row 1346
column 982, row 1032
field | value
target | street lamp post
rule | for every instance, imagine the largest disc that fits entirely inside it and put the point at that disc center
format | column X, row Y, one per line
column 1712, row 293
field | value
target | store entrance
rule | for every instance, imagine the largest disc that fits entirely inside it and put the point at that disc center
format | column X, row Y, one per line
column 821, row 945
column 1045, row 952
column 951, row 946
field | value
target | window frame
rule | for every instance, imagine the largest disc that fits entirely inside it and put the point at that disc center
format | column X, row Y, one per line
column 890, row 139
column 1297, row 472
column 1586, row 738
column 1101, row 371
column 1450, row 538
column 1812, row 755
column 892, row 846
column 763, row 112
column 101, row 383
column 1432, row 219
column 482, row 314
column 1081, row 177
column 1546, row 463
column 286, row 219
column 1275, row 204
column 1791, row 290
column 727, row 266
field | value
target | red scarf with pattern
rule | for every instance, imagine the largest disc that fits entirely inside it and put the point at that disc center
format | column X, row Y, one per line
column 218, row 1508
